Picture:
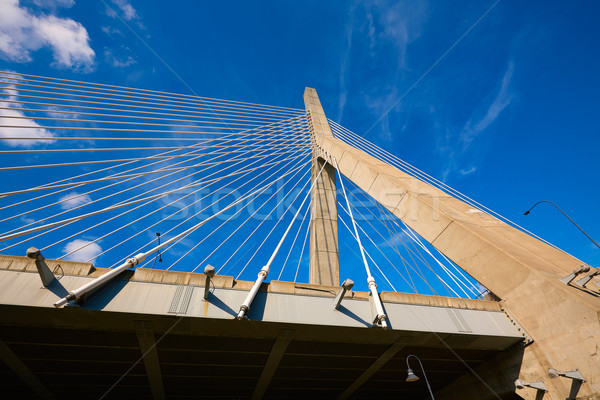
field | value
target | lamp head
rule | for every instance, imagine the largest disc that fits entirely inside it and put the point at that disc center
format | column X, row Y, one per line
column 348, row 284
column 583, row 268
column 411, row 376
column 34, row 253
column 519, row 384
column 554, row 373
column 526, row 212
column 209, row 271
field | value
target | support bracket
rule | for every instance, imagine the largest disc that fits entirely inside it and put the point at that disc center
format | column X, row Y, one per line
column 569, row 278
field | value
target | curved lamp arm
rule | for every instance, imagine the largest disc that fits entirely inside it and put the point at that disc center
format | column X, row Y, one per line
column 424, row 374
column 558, row 208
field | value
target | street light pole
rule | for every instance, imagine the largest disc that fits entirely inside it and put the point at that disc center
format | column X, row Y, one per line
column 558, row 208
column 412, row 377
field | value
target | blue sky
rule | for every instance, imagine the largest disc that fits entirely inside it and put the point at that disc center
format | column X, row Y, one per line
column 508, row 116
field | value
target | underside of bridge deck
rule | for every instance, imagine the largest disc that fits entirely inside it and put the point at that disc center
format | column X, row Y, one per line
column 83, row 353
column 151, row 334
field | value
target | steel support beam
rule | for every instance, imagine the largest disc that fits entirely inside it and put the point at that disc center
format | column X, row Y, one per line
column 19, row 368
column 147, row 340
column 376, row 366
column 281, row 343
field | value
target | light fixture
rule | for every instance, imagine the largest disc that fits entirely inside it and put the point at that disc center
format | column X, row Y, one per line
column 209, row 271
column 346, row 285
column 539, row 385
column 569, row 218
column 574, row 374
column 46, row 275
column 583, row 281
column 411, row 377
column 567, row 279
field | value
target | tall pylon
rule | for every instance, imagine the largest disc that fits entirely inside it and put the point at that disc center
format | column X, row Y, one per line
column 524, row 273
column 324, row 252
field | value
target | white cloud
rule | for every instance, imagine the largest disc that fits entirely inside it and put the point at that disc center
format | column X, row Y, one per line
column 27, row 220
column 455, row 149
column 467, row 171
column 53, row 4
column 398, row 22
column 7, row 118
column 21, row 32
column 73, row 199
column 117, row 62
column 127, row 11
column 380, row 105
column 82, row 250
column 502, row 100
column 34, row 130
column 68, row 39
column 111, row 31
column 53, row 112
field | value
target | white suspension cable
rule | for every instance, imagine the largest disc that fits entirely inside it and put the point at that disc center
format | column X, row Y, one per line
column 381, row 251
column 50, row 185
column 239, row 226
column 437, row 183
column 381, row 317
column 243, row 223
column 140, row 257
column 190, row 110
column 444, row 283
column 67, row 93
column 245, row 307
column 293, row 242
column 19, row 76
column 128, row 211
column 367, row 252
column 196, row 183
column 147, row 215
column 302, row 251
column 204, row 209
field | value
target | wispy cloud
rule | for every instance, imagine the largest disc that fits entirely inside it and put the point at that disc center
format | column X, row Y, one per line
column 54, row 4
column 467, row 171
column 118, row 62
column 454, row 149
column 127, row 11
column 473, row 128
column 112, row 31
column 73, row 199
column 27, row 220
column 384, row 30
column 401, row 23
column 379, row 105
column 83, row 250
column 344, row 70
column 22, row 32
column 11, row 117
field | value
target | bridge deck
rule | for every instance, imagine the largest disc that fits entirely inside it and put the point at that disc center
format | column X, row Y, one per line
column 294, row 343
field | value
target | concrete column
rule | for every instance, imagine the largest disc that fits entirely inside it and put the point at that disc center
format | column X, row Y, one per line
column 323, row 255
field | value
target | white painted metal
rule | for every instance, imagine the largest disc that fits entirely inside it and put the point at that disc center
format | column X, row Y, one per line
column 132, row 262
column 381, row 317
column 245, row 307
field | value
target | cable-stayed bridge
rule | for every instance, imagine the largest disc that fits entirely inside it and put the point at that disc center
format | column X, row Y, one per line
column 169, row 246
